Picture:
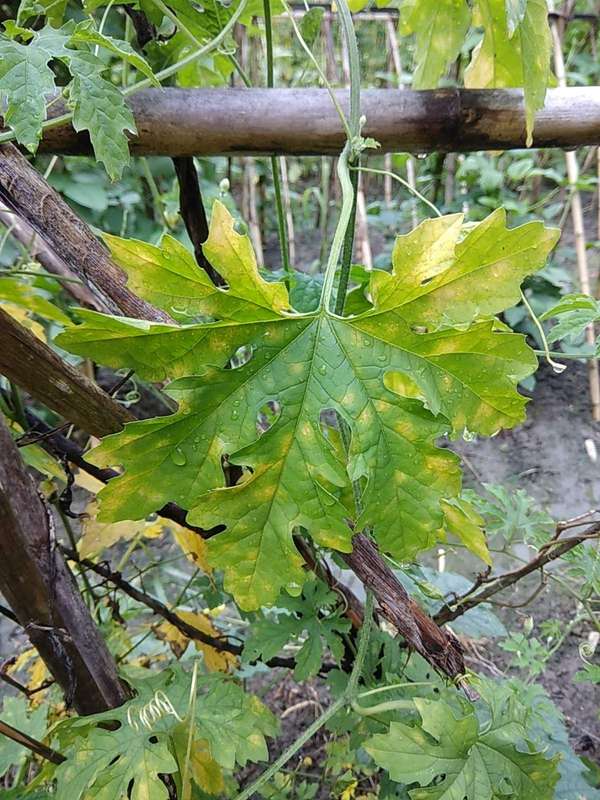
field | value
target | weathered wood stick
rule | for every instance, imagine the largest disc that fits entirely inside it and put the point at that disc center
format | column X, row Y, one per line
column 35, row 367
column 24, row 191
column 209, row 122
column 44, row 596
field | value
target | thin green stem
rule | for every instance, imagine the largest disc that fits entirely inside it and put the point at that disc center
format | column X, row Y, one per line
column 404, row 183
column 578, row 356
column 41, row 274
column 556, row 366
column 344, row 233
column 159, row 209
column 363, row 646
column 392, row 687
column 284, row 244
column 380, row 708
column 291, row 751
column 346, row 697
column 322, row 75
column 17, row 405
column 240, row 70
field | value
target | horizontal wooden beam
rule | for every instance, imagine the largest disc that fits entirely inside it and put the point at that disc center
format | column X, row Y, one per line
column 211, row 122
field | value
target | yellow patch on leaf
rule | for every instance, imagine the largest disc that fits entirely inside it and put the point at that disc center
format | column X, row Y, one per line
column 205, row 770
column 215, row 660
column 98, row 536
column 193, row 545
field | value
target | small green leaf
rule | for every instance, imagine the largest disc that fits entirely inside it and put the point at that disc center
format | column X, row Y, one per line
column 514, row 56
column 310, row 24
column 440, row 27
column 26, row 81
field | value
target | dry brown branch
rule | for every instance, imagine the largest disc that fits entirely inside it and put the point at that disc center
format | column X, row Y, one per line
column 25, row 192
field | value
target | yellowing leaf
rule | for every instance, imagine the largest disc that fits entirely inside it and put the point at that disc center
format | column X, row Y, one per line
column 518, row 55
column 37, row 673
column 86, row 481
column 466, row 524
column 440, row 27
column 98, row 536
column 426, row 360
column 215, row 660
column 193, row 545
column 24, row 318
column 350, row 790
column 35, row 456
column 206, row 772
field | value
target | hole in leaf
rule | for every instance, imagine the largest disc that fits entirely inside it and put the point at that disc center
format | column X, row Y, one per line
column 267, row 416
column 241, row 357
column 329, row 422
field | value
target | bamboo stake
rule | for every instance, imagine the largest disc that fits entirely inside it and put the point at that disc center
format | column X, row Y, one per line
column 450, row 176
column 287, row 205
column 578, row 229
column 411, row 172
column 366, row 255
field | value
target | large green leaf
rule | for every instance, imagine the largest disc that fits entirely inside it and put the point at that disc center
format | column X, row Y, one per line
column 427, row 359
column 467, row 761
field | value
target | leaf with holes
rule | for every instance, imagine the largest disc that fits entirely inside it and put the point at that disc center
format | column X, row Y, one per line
column 266, row 387
column 119, row 753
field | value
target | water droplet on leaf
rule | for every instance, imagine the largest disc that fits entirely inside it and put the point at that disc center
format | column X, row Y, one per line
column 178, row 457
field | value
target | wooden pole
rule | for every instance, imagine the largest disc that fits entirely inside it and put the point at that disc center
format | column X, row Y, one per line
column 35, row 367
column 578, row 229
column 42, row 593
column 185, row 122
column 25, row 192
